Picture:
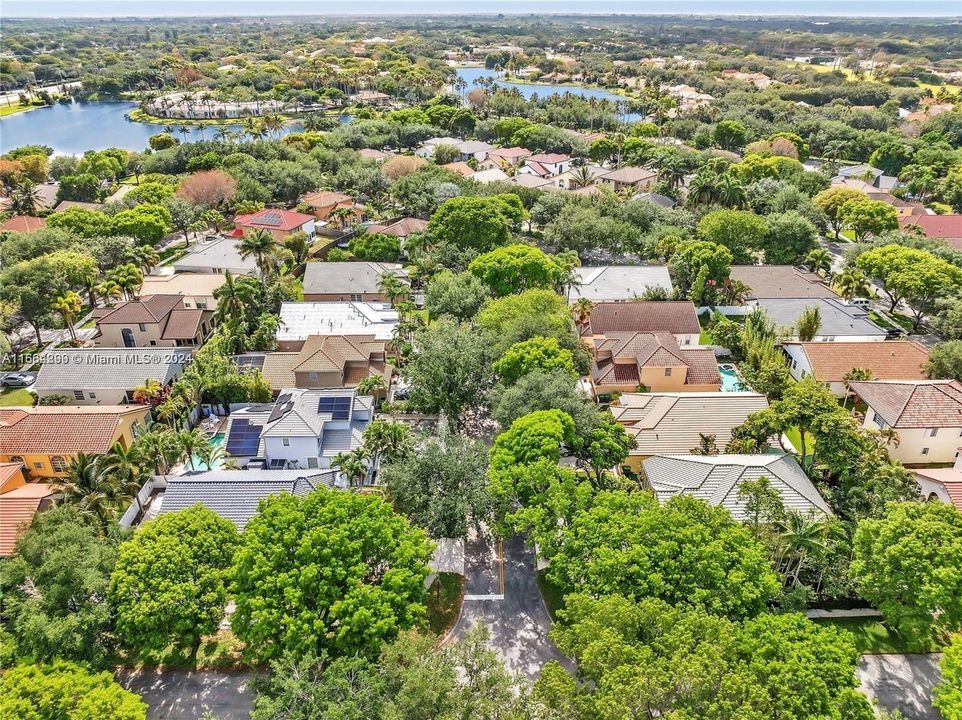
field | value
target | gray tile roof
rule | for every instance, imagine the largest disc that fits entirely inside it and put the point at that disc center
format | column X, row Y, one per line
column 347, row 277
column 618, row 282
column 838, row 318
column 110, row 368
column 221, row 254
column 716, row 479
column 235, row 494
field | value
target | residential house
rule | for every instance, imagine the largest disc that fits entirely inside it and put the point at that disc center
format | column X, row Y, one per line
column 831, row 362
column 650, row 361
column 426, row 151
column 371, row 97
column 926, row 415
column 507, row 157
column 941, row 227
column 323, row 361
column 489, row 176
column 46, row 438
column 689, row 98
column 152, row 321
column 460, row 167
column 610, row 318
column 467, row 149
column 781, row 281
column 235, row 495
column 533, row 181
column 904, row 208
column 759, row 80
column 546, row 164
column 20, row 501
column 343, row 281
column 375, row 155
column 635, row 179
column 107, row 376
column 944, row 484
column 215, row 257
column 871, row 175
column 839, row 320
column 279, row 223
column 402, row 228
column 673, row 423
column 571, row 179
column 617, row 283
column 717, row 479
column 300, row 320
column 303, row 429
column 196, row 290
column 657, row 199
column 324, row 203
column 22, row 224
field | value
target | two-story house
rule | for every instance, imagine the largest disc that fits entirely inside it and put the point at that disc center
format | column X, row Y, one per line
column 279, row 223
column 153, row 321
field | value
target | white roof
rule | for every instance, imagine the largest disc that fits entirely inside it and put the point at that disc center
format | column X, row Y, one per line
column 489, row 176
column 217, row 255
column 716, row 479
column 299, row 320
column 618, row 282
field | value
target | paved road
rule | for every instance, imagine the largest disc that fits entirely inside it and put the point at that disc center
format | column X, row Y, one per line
column 901, row 682
column 501, row 591
column 187, row 695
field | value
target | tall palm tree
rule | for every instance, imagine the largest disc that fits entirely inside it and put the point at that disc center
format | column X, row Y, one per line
column 259, row 244
column 393, row 288
column 731, row 193
column 819, row 261
column 88, row 489
column 230, row 300
column 125, row 467
column 25, row 198
column 191, row 442
column 210, row 455
column 801, row 536
column 385, row 440
column 145, row 257
column 353, row 464
column 128, row 278
column 109, row 290
column 68, row 305
column 702, row 190
column 582, row 176
column 851, row 282
column 371, row 385
column 582, row 309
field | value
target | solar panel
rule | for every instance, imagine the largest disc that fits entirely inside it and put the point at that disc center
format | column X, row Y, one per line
column 243, row 439
column 339, row 407
column 269, row 218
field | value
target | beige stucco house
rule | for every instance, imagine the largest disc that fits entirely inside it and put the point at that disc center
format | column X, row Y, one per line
column 153, row 321
column 197, row 290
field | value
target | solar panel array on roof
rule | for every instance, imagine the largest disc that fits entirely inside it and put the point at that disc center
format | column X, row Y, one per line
column 269, row 218
column 281, row 408
column 338, row 407
column 243, row 438
column 250, row 361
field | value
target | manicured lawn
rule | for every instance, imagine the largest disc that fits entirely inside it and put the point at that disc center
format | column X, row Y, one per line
column 444, row 602
column 874, row 638
column 12, row 109
column 553, row 595
column 879, row 320
column 705, row 338
column 16, row 396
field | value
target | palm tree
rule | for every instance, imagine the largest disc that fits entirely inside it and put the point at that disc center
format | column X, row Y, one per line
column 190, row 443
column 25, row 198
column 851, row 282
column 259, row 244
column 737, row 292
column 184, row 130
column 128, row 278
column 819, row 261
column 808, row 323
column 145, row 257
column 353, row 464
column 88, row 489
column 68, row 305
column 702, row 190
column 393, row 288
column 384, row 440
column 125, row 468
column 731, row 193
column 109, row 290
column 298, row 246
column 210, row 455
column 230, row 299
column 582, row 309
column 342, row 215
column 800, row 537
column 371, row 385
column 582, row 176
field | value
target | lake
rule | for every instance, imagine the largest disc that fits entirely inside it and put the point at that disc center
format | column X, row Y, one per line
column 470, row 74
column 73, row 129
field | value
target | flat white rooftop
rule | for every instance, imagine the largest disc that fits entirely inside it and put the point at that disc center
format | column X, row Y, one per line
column 300, row 320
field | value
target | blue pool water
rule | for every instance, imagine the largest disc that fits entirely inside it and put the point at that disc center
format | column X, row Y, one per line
column 216, row 441
column 731, row 382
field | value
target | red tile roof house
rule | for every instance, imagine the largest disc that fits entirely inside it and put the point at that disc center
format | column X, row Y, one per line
column 676, row 318
column 829, row 362
column 323, row 203
column 941, row 227
column 279, row 223
column 20, row 501
column 505, row 157
column 926, row 414
column 23, row 224
column 943, row 484
column 546, row 164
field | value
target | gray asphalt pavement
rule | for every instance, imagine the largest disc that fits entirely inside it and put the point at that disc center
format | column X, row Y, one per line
column 187, row 695
column 501, row 591
column 901, row 682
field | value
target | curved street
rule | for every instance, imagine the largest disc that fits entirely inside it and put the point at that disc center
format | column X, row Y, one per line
column 501, row 592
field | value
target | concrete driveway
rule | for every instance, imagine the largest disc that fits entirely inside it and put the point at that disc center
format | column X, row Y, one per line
column 187, row 695
column 501, row 591
column 901, row 682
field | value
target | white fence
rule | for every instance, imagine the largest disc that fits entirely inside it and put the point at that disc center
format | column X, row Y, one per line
column 128, row 518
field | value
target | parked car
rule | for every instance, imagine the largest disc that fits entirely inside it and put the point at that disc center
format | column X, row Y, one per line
column 894, row 333
column 860, row 302
column 18, row 379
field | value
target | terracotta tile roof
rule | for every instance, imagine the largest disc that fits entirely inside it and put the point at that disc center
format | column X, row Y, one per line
column 66, row 430
column 659, row 350
column 510, row 152
column 918, row 404
column 326, row 198
column 8, row 471
column 549, row 158
column 936, row 226
column 538, row 167
column 678, row 318
column 892, row 360
column 325, row 353
column 148, row 309
column 16, row 514
column 630, row 175
column 948, row 478
column 781, row 281
column 461, row 168
column 401, row 228
column 273, row 219
column 184, row 324
column 23, row 223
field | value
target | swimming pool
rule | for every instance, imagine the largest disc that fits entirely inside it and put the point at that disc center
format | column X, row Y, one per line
column 216, row 441
column 731, row 381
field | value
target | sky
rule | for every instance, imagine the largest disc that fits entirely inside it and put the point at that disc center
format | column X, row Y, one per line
column 264, row 8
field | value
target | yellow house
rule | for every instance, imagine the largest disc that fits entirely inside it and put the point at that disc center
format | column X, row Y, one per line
column 625, row 362
column 45, row 439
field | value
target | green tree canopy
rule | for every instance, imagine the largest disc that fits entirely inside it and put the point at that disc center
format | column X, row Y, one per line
column 740, row 231
column 332, row 572
column 469, row 221
column 538, row 353
column 831, row 202
column 791, row 236
column 170, row 582
column 458, row 295
column 515, row 268
column 948, row 693
column 945, row 361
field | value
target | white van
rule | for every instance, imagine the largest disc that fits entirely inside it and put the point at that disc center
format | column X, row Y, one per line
column 863, row 303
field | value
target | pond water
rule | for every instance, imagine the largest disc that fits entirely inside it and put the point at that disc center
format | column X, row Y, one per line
column 470, row 74
column 78, row 127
